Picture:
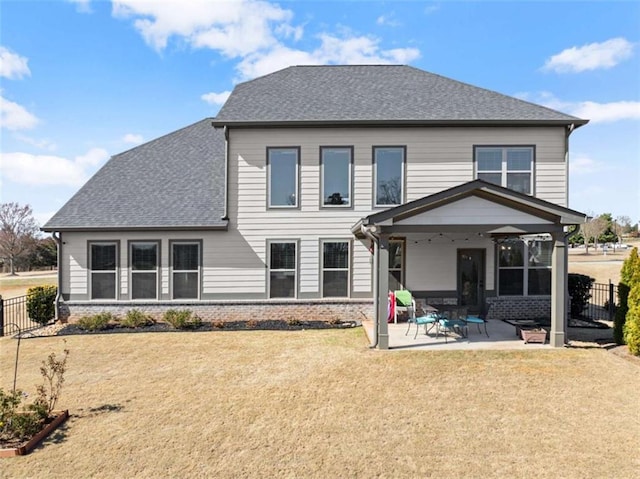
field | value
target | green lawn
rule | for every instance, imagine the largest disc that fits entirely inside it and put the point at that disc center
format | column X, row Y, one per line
column 321, row 404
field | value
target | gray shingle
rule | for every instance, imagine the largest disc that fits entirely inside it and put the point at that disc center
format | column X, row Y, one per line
column 373, row 93
column 174, row 181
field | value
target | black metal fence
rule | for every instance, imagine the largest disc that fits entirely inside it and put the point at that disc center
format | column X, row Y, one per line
column 602, row 304
column 14, row 317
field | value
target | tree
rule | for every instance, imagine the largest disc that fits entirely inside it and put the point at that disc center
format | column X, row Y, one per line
column 44, row 255
column 18, row 230
column 592, row 229
column 621, row 225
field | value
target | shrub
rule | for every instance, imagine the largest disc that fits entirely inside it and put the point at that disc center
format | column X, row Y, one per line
column 252, row 323
column 219, row 324
column 579, row 290
column 41, row 303
column 137, row 319
column 293, row 322
column 96, row 322
column 632, row 325
column 629, row 274
column 182, row 319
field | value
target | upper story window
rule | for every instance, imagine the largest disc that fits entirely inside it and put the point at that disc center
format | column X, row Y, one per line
column 103, row 265
column 509, row 166
column 144, row 270
column 388, row 164
column 336, row 166
column 282, row 171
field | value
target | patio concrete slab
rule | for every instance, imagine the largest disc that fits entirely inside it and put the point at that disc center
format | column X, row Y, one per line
column 501, row 336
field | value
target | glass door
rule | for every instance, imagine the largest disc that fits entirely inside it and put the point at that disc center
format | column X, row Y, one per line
column 471, row 276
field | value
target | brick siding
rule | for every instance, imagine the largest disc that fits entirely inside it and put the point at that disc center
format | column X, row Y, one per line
column 519, row 307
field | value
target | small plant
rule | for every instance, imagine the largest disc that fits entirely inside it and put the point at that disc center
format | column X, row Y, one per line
column 52, row 371
column 96, row 322
column 137, row 319
column 579, row 290
column 252, row 324
column 182, row 319
column 293, row 322
column 41, row 303
column 218, row 324
column 335, row 321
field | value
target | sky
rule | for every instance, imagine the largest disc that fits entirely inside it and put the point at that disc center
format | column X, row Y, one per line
column 82, row 80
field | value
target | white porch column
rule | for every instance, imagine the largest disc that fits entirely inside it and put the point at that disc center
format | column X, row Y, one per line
column 383, row 291
column 557, row 336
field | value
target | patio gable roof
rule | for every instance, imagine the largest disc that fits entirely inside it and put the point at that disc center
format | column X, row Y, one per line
column 475, row 206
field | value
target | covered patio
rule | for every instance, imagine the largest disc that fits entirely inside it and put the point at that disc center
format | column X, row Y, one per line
column 460, row 247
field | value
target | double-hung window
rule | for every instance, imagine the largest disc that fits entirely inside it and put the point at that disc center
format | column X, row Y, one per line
column 282, row 269
column 103, row 265
column 388, row 175
column 144, row 269
column 185, row 270
column 335, row 269
column 283, row 171
column 508, row 166
column 336, row 167
column 524, row 267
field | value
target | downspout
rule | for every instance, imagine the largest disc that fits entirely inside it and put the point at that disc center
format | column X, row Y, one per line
column 568, row 132
column 58, row 239
column 366, row 232
column 226, row 174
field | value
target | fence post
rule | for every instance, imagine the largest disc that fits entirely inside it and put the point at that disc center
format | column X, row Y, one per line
column 611, row 302
column 1, row 317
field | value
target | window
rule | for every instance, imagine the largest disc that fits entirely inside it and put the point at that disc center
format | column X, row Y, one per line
column 185, row 265
column 336, row 176
column 144, row 270
column 511, row 167
column 396, row 264
column 388, row 176
column 335, row 269
column 282, row 269
column 103, row 266
column 282, row 166
column 524, row 267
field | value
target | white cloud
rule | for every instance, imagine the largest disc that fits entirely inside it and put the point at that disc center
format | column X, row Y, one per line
column 15, row 117
column 133, row 138
column 43, row 144
column 253, row 31
column 349, row 50
column 591, row 57
column 12, row 65
column 234, row 28
column 582, row 165
column 429, row 9
column 216, row 98
column 590, row 110
column 82, row 6
column 25, row 168
column 388, row 20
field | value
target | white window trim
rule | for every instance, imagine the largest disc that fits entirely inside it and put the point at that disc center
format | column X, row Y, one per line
column 350, row 179
column 347, row 269
column 198, row 270
column 295, row 269
column 115, row 272
column 504, row 171
column 297, row 177
column 132, row 272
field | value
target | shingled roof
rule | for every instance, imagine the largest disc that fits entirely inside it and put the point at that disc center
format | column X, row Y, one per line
column 370, row 94
column 175, row 181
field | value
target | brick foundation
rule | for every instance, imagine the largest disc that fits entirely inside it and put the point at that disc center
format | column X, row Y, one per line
column 302, row 310
column 519, row 307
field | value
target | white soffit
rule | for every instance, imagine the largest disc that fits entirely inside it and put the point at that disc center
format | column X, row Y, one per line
column 473, row 210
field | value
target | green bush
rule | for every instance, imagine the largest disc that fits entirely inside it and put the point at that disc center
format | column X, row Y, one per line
column 96, row 322
column 632, row 324
column 629, row 274
column 580, row 292
column 137, row 319
column 41, row 303
column 182, row 319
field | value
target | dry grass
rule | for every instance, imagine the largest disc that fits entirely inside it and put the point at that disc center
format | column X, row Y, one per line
column 321, row 404
column 14, row 286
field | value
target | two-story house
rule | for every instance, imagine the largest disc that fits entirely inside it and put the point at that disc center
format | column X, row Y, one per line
column 316, row 190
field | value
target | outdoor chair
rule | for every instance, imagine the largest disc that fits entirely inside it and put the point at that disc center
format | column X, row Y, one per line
column 480, row 318
column 404, row 301
column 451, row 322
column 428, row 320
